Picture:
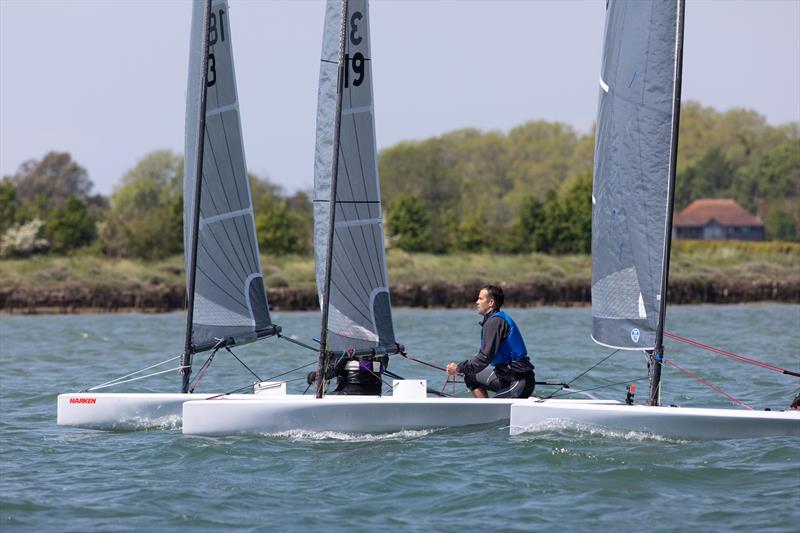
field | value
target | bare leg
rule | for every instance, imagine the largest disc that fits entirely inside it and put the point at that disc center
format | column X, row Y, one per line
column 479, row 393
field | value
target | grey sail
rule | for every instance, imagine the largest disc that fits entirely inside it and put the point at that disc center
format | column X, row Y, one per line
column 229, row 301
column 359, row 313
column 634, row 151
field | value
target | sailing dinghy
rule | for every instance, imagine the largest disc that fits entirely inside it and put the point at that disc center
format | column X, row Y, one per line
column 227, row 303
column 351, row 271
column 351, row 275
column 632, row 199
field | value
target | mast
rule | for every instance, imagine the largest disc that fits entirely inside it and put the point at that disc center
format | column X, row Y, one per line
column 657, row 355
column 186, row 359
column 323, row 337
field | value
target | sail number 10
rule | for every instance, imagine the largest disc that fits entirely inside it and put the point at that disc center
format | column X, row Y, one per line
column 214, row 33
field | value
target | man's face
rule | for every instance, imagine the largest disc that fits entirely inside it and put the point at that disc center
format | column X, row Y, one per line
column 484, row 303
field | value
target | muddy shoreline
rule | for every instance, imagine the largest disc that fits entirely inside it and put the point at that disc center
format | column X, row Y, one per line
column 567, row 293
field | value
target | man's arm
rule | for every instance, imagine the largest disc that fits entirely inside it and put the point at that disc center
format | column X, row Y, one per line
column 494, row 331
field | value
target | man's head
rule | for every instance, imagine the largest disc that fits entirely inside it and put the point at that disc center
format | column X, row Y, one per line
column 490, row 298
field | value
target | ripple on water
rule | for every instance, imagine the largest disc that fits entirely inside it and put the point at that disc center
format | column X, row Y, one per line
column 557, row 476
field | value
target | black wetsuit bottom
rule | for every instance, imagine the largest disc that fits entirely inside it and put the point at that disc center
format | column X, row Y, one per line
column 503, row 384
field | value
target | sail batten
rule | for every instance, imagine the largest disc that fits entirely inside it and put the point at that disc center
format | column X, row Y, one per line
column 229, row 303
column 635, row 147
column 357, row 316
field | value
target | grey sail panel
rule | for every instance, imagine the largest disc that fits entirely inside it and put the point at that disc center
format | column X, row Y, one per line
column 633, row 150
column 360, row 311
column 229, row 301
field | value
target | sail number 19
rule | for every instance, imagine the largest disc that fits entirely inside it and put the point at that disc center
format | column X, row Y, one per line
column 357, row 61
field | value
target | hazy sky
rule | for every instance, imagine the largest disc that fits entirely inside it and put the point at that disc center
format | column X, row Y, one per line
column 105, row 80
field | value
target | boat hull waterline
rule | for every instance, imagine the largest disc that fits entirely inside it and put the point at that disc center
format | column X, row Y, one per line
column 141, row 411
column 347, row 414
column 238, row 414
column 689, row 423
column 115, row 411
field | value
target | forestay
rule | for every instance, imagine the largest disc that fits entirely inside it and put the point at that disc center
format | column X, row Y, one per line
column 359, row 315
column 229, row 301
column 633, row 155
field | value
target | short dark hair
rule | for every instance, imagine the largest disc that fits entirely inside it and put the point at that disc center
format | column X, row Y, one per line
column 496, row 294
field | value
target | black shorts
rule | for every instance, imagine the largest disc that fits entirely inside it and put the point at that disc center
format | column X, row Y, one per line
column 512, row 386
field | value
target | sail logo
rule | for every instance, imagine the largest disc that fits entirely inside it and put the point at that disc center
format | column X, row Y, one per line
column 83, row 400
column 635, row 334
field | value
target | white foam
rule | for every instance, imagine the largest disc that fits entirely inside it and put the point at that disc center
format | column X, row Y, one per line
column 561, row 424
column 304, row 435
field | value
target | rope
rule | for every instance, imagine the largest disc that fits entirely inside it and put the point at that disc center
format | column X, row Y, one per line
column 244, row 365
column 701, row 380
column 117, row 381
column 737, row 357
column 554, row 395
column 202, row 372
column 298, row 343
column 292, row 370
column 568, row 383
column 105, row 386
column 412, row 358
column 603, row 360
column 240, row 389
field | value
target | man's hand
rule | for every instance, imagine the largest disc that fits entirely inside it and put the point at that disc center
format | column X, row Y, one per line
column 452, row 369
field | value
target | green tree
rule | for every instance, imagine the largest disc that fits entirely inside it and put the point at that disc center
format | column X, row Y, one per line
column 527, row 234
column 711, row 177
column 277, row 228
column 576, row 202
column 472, row 233
column 782, row 221
column 284, row 225
column 775, row 176
column 55, row 178
column 408, row 224
column 300, row 204
column 8, row 205
column 146, row 217
column 70, row 226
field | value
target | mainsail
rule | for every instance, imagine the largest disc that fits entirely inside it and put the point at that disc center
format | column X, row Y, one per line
column 634, row 169
column 359, row 313
column 229, row 304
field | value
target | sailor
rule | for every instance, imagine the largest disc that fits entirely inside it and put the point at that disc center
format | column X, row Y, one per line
column 355, row 375
column 502, row 364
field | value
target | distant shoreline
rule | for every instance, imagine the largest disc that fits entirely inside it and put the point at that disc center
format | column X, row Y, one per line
column 71, row 299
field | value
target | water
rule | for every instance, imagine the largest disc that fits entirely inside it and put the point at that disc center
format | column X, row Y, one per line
column 66, row 479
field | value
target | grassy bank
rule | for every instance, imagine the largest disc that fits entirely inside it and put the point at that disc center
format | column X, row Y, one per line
column 697, row 260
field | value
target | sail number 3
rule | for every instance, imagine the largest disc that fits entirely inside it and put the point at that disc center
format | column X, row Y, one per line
column 357, row 61
column 214, row 33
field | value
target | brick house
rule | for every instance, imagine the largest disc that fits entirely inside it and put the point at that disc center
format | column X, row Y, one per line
column 717, row 219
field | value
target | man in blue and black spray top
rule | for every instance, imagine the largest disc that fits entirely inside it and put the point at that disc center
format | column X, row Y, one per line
column 502, row 364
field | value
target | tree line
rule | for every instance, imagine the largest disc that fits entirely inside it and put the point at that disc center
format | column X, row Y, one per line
column 517, row 192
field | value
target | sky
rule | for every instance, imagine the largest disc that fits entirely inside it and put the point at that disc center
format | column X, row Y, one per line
column 105, row 80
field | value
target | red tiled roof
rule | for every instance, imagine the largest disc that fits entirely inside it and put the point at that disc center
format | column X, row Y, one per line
column 724, row 210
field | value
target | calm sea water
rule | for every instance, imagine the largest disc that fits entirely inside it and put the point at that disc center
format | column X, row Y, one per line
column 61, row 479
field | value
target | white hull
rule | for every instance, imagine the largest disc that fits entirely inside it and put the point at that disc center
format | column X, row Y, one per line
column 122, row 411
column 357, row 414
column 673, row 422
